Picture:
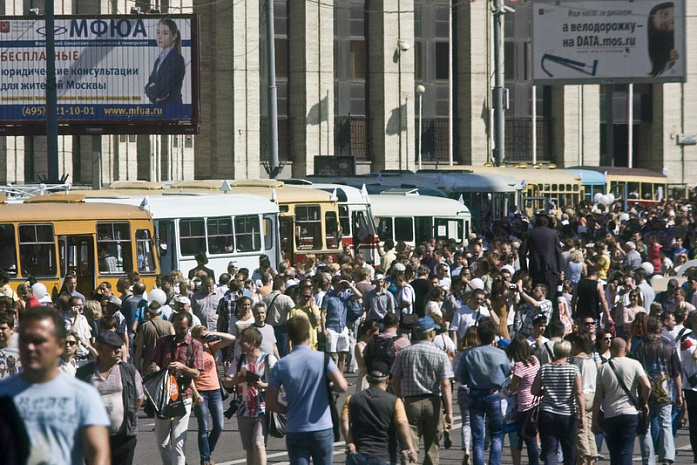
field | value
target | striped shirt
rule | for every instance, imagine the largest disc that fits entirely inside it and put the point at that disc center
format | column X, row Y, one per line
column 527, row 374
column 558, row 381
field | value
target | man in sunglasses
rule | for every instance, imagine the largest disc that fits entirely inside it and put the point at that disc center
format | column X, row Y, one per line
column 307, row 308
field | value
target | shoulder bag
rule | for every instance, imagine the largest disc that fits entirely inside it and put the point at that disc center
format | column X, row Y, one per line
column 643, row 419
column 336, row 423
column 275, row 422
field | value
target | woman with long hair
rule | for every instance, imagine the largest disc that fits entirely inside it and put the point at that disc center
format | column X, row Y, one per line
column 560, row 385
column 366, row 331
column 637, row 332
column 165, row 82
column 206, row 390
column 525, row 369
column 661, row 38
column 576, row 267
column 500, row 294
column 631, row 310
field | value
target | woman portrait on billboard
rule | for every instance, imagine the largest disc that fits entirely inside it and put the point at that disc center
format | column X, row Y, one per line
column 165, row 82
column 661, row 35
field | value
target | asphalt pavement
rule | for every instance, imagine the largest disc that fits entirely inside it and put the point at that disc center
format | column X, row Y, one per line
column 229, row 450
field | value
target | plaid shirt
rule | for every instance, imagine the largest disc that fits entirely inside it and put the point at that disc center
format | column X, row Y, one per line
column 189, row 352
column 529, row 313
column 227, row 307
column 421, row 367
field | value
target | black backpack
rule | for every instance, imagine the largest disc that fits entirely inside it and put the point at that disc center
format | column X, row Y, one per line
column 380, row 349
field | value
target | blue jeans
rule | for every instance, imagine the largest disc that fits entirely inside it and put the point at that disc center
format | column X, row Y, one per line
column 213, row 403
column 666, row 444
column 620, row 435
column 316, row 444
column 486, row 404
column 530, row 443
column 555, row 431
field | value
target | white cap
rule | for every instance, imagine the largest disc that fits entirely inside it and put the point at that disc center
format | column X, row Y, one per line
column 477, row 283
column 648, row 267
column 399, row 267
column 183, row 300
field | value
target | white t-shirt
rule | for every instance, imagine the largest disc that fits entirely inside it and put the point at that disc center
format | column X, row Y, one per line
column 466, row 317
column 615, row 401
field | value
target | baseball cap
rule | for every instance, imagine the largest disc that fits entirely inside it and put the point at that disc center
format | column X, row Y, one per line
column 232, row 263
column 674, row 283
column 378, row 371
column 378, row 277
column 183, row 300
column 110, row 338
column 399, row 267
column 426, row 323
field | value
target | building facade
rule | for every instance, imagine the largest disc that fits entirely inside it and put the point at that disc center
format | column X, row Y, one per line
column 346, row 78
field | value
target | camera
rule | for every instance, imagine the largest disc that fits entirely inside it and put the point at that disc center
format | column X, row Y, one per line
column 513, row 287
column 252, row 377
column 212, row 338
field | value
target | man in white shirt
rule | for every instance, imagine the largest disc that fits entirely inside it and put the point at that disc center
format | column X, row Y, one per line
column 469, row 314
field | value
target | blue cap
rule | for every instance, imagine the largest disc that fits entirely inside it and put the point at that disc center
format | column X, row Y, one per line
column 504, row 343
column 426, row 323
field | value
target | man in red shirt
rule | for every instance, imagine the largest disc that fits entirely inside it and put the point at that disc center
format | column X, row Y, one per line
column 26, row 297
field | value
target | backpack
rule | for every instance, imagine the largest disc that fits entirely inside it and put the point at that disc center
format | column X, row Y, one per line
column 380, row 349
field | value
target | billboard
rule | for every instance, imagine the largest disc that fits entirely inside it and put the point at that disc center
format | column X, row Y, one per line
column 616, row 41
column 114, row 74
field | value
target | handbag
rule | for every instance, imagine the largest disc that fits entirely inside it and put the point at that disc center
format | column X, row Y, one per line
column 276, row 423
column 336, row 423
column 642, row 427
column 529, row 428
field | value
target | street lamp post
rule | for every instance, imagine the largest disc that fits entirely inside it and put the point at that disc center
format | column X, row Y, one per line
column 420, row 92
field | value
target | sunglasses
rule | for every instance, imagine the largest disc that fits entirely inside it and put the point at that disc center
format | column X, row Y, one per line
column 609, row 339
column 307, row 297
column 589, row 323
column 71, row 343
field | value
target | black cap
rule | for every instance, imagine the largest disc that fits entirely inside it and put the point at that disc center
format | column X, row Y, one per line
column 378, row 371
column 111, row 338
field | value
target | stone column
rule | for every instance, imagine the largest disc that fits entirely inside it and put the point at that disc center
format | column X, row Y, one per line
column 311, row 83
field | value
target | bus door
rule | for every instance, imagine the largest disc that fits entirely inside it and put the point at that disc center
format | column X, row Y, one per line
column 531, row 205
column 77, row 257
column 287, row 238
column 167, row 245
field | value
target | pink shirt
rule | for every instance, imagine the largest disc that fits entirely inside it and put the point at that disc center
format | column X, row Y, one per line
column 527, row 374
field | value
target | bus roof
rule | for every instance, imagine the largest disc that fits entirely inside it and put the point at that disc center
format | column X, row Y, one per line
column 283, row 193
column 624, row 171
column 531, row 175
column 183, row 205
column 344, row 194
column 57, row 211
column 416, row 205
column 466, row 181
column 590, row 177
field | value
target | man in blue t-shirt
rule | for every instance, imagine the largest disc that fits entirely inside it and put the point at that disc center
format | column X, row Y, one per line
column 65, row 420
column 304, row 377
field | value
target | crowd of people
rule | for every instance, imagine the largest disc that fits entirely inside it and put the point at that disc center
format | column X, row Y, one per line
column 564, row 332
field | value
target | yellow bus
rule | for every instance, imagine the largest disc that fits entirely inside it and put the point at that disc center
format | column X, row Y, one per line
column 50, row 236
column 544, row 186
column 309, row 218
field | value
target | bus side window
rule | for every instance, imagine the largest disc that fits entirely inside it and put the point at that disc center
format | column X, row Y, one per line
column 37, row 250
column 331, row 226
column 114, row 247
column 8, row 254
column 247, row 233
column 192, row 236
column 144, row 248
column 220, row 236
column 268, row 234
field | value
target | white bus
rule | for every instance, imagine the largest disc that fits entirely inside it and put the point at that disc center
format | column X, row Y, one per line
column 226, row 227
column 402, row 215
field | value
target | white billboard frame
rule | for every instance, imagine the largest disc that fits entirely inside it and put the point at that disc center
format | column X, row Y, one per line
column 608, row 42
